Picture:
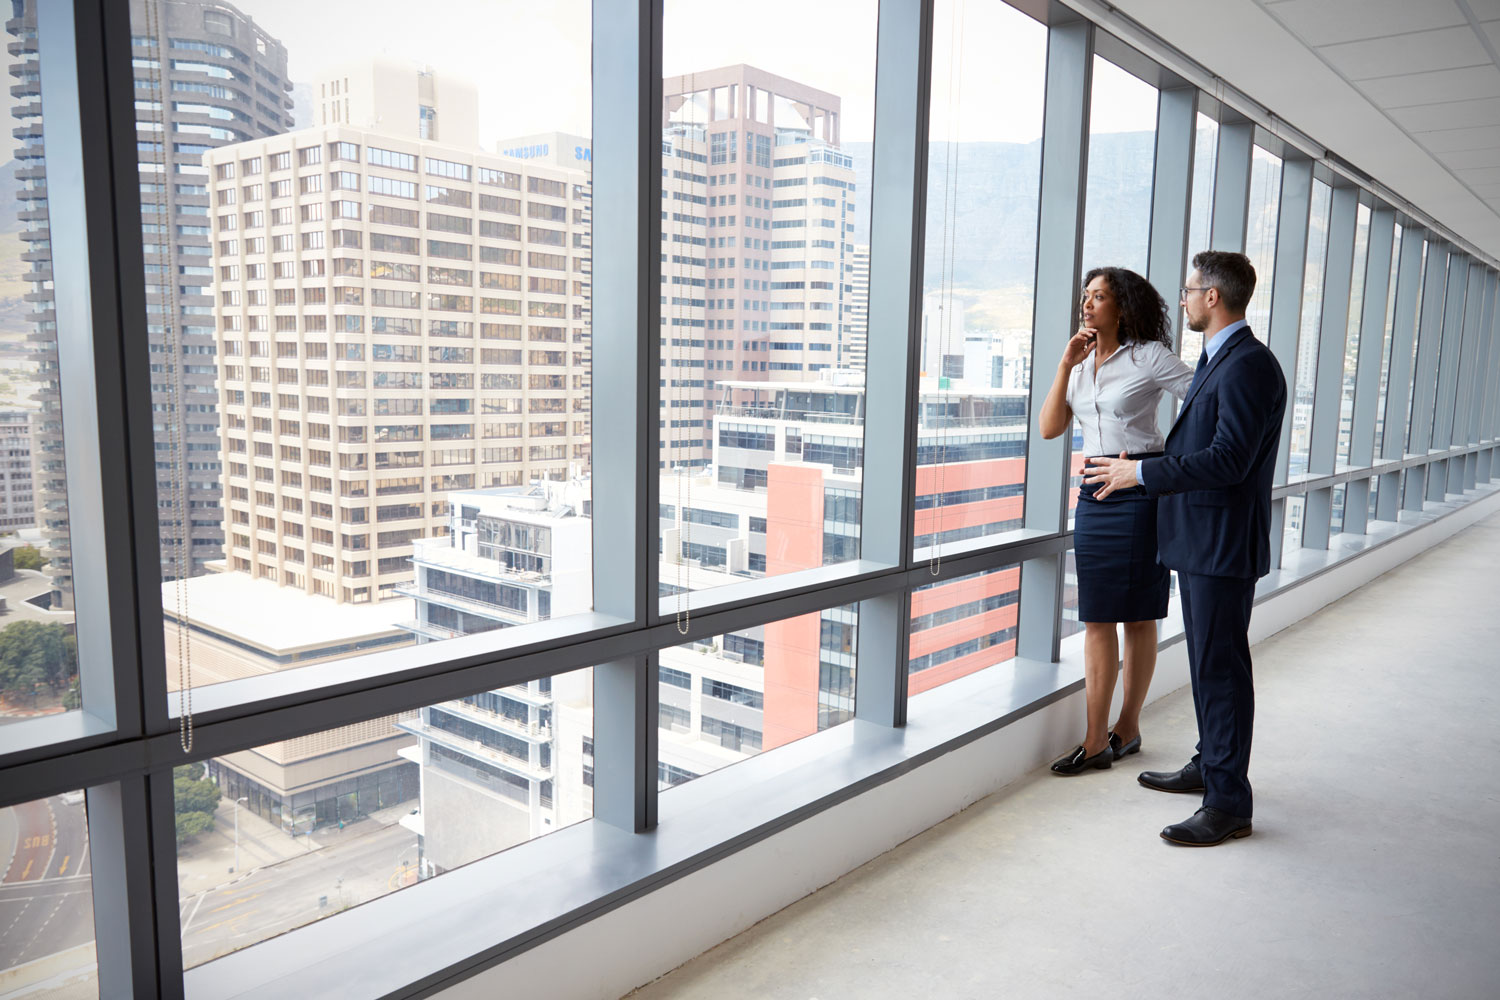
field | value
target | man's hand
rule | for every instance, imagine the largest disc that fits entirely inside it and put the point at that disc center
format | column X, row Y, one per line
column 1113, row 473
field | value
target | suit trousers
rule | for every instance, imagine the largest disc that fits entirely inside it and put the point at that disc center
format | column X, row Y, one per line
column 1216, row 618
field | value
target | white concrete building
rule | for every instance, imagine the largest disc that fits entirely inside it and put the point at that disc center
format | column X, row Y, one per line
column 17, row 499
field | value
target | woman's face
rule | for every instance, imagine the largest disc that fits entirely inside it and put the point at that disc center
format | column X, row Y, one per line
column 1100, row 310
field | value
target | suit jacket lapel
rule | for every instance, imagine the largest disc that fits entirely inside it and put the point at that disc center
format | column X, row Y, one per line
column 1213, row 362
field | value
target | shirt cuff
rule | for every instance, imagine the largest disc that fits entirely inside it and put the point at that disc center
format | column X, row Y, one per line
column 1140, row 475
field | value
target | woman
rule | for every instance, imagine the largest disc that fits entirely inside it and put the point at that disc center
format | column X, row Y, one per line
column 1111, row 377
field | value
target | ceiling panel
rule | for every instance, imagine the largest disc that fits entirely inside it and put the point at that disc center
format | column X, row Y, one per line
column 1318, row 65
column 1413, row 53
column 1429, row 88
column 1477, row 176
column 1453, row 140
column 1492, row 29
column 1465, row 158
column 1454, row 114
column 1323, row 22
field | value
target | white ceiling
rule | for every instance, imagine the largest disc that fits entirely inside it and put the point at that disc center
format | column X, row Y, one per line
column 1406, row 90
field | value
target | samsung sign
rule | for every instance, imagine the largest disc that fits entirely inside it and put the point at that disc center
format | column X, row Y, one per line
column 583, row 154
column 529, row 152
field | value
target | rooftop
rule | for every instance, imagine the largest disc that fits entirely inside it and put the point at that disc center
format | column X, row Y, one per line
column 275, row 618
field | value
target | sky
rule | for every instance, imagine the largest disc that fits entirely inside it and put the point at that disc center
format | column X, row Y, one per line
column 530, row 60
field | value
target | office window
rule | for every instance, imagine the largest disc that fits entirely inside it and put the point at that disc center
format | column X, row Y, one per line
column 49, row 945
column 1122, row 158
column 1200, row 223
column 728, row 697
column 491, row 770
column 1260, row 239
column 1350, row 360
column 962, row 626
column 702, row 158
column 972, row 281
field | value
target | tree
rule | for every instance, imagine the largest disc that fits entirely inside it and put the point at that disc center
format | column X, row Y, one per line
column 27, row 557
column 196, row 798
column 33, row 653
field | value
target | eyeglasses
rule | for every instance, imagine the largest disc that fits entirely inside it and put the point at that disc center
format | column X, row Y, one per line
column 1182, row 292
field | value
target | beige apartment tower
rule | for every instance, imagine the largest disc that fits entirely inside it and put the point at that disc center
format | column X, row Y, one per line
column 397, row 319
column 758, row 214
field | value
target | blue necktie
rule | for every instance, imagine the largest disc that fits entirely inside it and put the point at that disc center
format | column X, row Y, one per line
column 1197, row 377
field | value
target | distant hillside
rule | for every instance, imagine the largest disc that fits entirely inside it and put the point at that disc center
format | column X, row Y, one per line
column 994, row 226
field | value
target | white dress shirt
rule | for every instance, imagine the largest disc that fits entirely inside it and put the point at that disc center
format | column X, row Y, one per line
column 1116, row 404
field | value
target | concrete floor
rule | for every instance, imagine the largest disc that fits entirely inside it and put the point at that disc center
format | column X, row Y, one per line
column 1374, row 869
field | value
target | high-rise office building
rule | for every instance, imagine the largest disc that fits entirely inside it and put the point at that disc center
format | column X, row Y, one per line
column 49, row 482
column 17, row 498
column 854, row 344
column 758, row 205
column 206, row 75
column 398, row 319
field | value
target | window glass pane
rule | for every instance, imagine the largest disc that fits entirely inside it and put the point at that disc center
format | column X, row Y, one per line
column 988, row 83
column 963, row 625
column 1122, row 155
column 1390, row 347
column 38, row 654
column 369, row 318
column 731, row 696
column 1416, row 343
column 46, row 901
column 1351, row 355
column 1312, row 312
column 765, row 191
column 285, row 834
column 1291, row 541
column 1260, row 236
column 1200, row 220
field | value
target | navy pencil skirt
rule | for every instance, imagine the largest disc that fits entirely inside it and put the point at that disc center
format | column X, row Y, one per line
column 1114, row 548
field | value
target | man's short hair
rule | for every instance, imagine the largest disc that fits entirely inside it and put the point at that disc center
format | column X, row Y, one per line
column 1231, row 273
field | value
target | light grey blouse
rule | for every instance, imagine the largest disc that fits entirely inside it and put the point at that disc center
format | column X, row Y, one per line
column 1116, row 405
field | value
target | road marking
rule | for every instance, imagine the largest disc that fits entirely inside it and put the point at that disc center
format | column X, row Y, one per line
column 62, row 869
column 85, row 856
column 201, row 897
column 53, row 817
column 235, row 902
column 227, row 920
column 29, row 863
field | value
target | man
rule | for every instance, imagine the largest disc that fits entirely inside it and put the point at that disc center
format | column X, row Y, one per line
column 1213, row 528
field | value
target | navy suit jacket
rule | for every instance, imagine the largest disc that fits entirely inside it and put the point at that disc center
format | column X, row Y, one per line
column 1214, row 478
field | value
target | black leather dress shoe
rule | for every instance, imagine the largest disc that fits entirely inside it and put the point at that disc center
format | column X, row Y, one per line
column 1207, row 827
column 1123, row 749
column 1079, row 761
column 1189, row 779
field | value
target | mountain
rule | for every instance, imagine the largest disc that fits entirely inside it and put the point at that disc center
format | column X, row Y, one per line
column 992, row 220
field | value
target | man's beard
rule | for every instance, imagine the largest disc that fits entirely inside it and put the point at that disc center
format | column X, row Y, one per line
column 1197, row 325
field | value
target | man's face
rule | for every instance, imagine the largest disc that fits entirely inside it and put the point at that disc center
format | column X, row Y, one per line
column 1194, row 304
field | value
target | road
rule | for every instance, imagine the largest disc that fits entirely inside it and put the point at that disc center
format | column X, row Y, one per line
column 45, row 904
column 279, row 897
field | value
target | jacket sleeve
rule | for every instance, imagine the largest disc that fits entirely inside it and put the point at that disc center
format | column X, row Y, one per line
column 1247, row 400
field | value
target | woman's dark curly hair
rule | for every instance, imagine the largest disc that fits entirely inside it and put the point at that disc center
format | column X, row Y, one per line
column 1143, row 312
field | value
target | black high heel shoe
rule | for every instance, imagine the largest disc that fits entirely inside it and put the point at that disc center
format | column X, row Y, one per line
column 1124, row 749
column 1078, row 761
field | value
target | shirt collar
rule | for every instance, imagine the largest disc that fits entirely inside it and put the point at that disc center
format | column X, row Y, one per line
column 1219, row 339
